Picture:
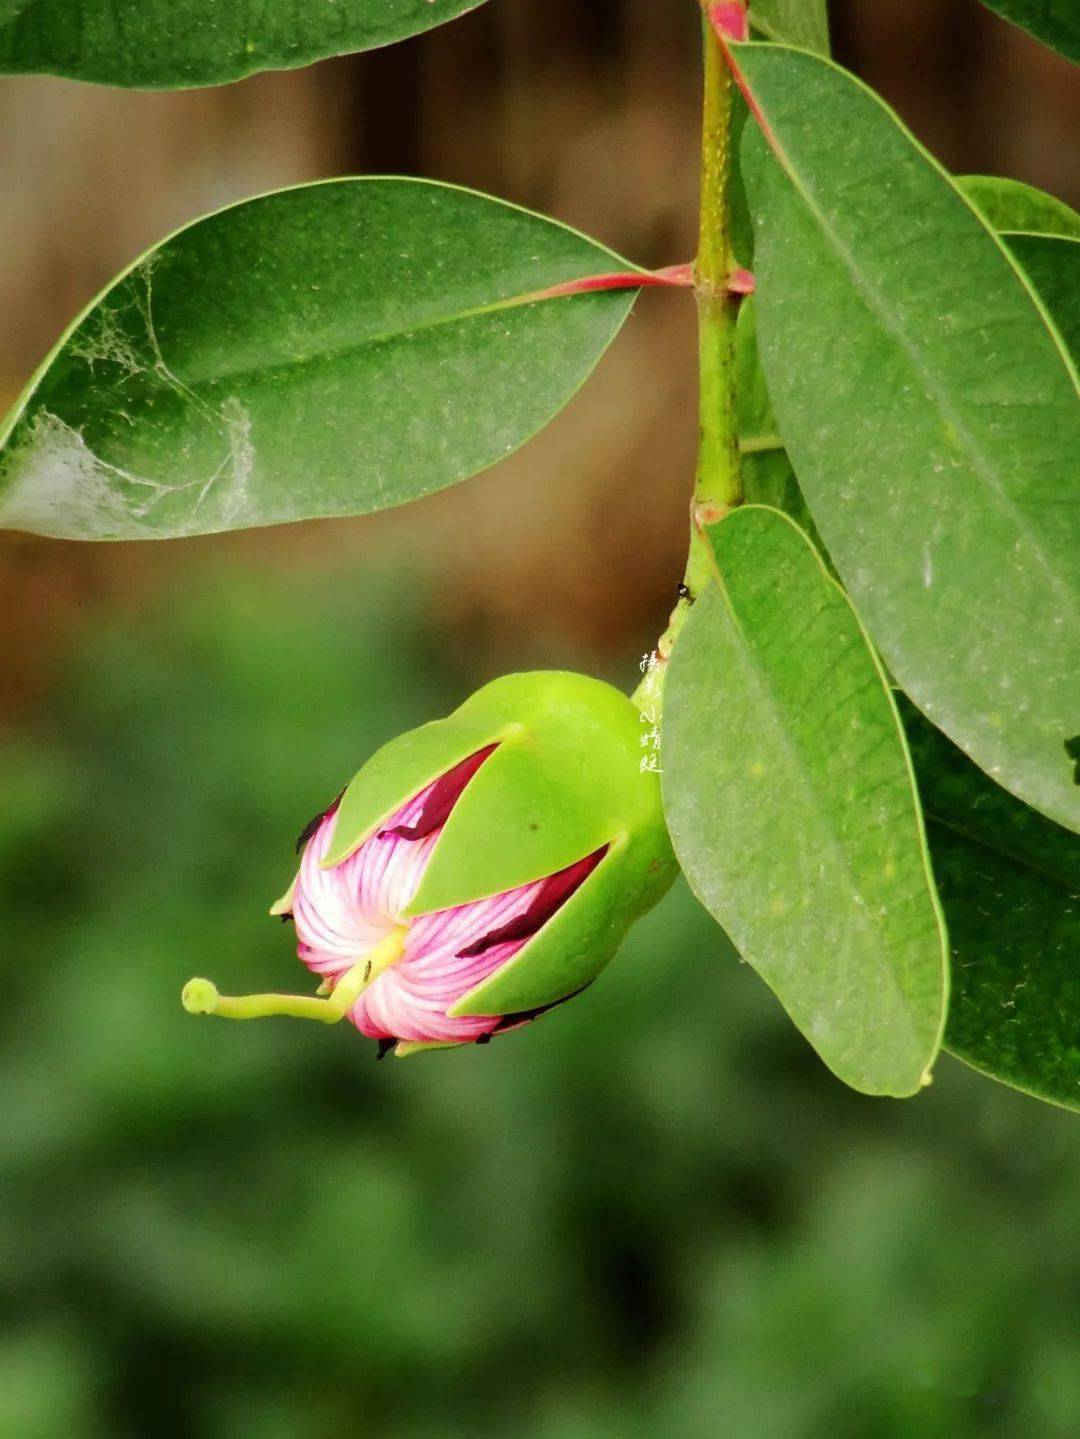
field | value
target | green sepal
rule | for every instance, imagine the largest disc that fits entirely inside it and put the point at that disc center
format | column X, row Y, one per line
column 564, row 783
column 575, row 944
column 405, row 1047
column 401, row 769
column 283, row 906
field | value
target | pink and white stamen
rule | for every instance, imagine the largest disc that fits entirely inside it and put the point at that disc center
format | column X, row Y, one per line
column 343, row 912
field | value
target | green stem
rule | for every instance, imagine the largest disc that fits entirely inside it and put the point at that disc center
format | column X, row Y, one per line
column 717, row 483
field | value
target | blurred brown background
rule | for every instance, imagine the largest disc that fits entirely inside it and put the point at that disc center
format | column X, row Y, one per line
column 585, row 110
column 657, row 1215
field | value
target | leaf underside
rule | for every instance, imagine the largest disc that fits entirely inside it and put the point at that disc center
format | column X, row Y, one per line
column 792, row 807
column 1010, row 884
column 1047, row 252
column 930, row 412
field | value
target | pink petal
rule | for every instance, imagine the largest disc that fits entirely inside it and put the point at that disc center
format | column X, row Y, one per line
column 341, row 913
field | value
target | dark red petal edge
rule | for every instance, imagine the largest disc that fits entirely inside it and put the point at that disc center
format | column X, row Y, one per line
column 313, row 824
column 508, row 1021
column 442, row 797
column 556, row 891
column 511, row 1021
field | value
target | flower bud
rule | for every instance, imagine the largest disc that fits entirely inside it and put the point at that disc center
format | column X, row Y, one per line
column 478, row 870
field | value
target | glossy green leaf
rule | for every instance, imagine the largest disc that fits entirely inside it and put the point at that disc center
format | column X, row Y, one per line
column 328, row 350
column 1055, row 22
column 930, row 412
column 154, row 44
column 1052, row 264
column 1011, row 205
column 1010, row 885
column 793, row 22
column 792, row 808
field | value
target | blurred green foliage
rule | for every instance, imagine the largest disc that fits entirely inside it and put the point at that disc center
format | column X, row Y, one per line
column 650, row 1214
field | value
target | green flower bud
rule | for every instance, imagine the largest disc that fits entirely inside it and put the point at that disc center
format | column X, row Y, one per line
column 479, row 869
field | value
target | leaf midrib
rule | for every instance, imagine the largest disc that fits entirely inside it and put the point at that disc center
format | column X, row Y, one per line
column 352, row 347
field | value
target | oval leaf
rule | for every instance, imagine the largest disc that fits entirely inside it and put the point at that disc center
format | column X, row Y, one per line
column 931, row 415
column 328, row 350
column 1010, row 885
column 792, row 806
column 170, row 44
column 1055, row 22
column 1011, row 205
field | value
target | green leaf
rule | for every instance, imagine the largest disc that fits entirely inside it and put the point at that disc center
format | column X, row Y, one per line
column 154, row 44
column 1052, row 264
column 754, row 415
column 1043, row 234
column 793, row 22
column 741, row 225
column 1010, row 885
column 764, row 466
column 930, row 412
column 792, row 808
column 1011, row 205
column 327, row 350
column 1055, row 22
